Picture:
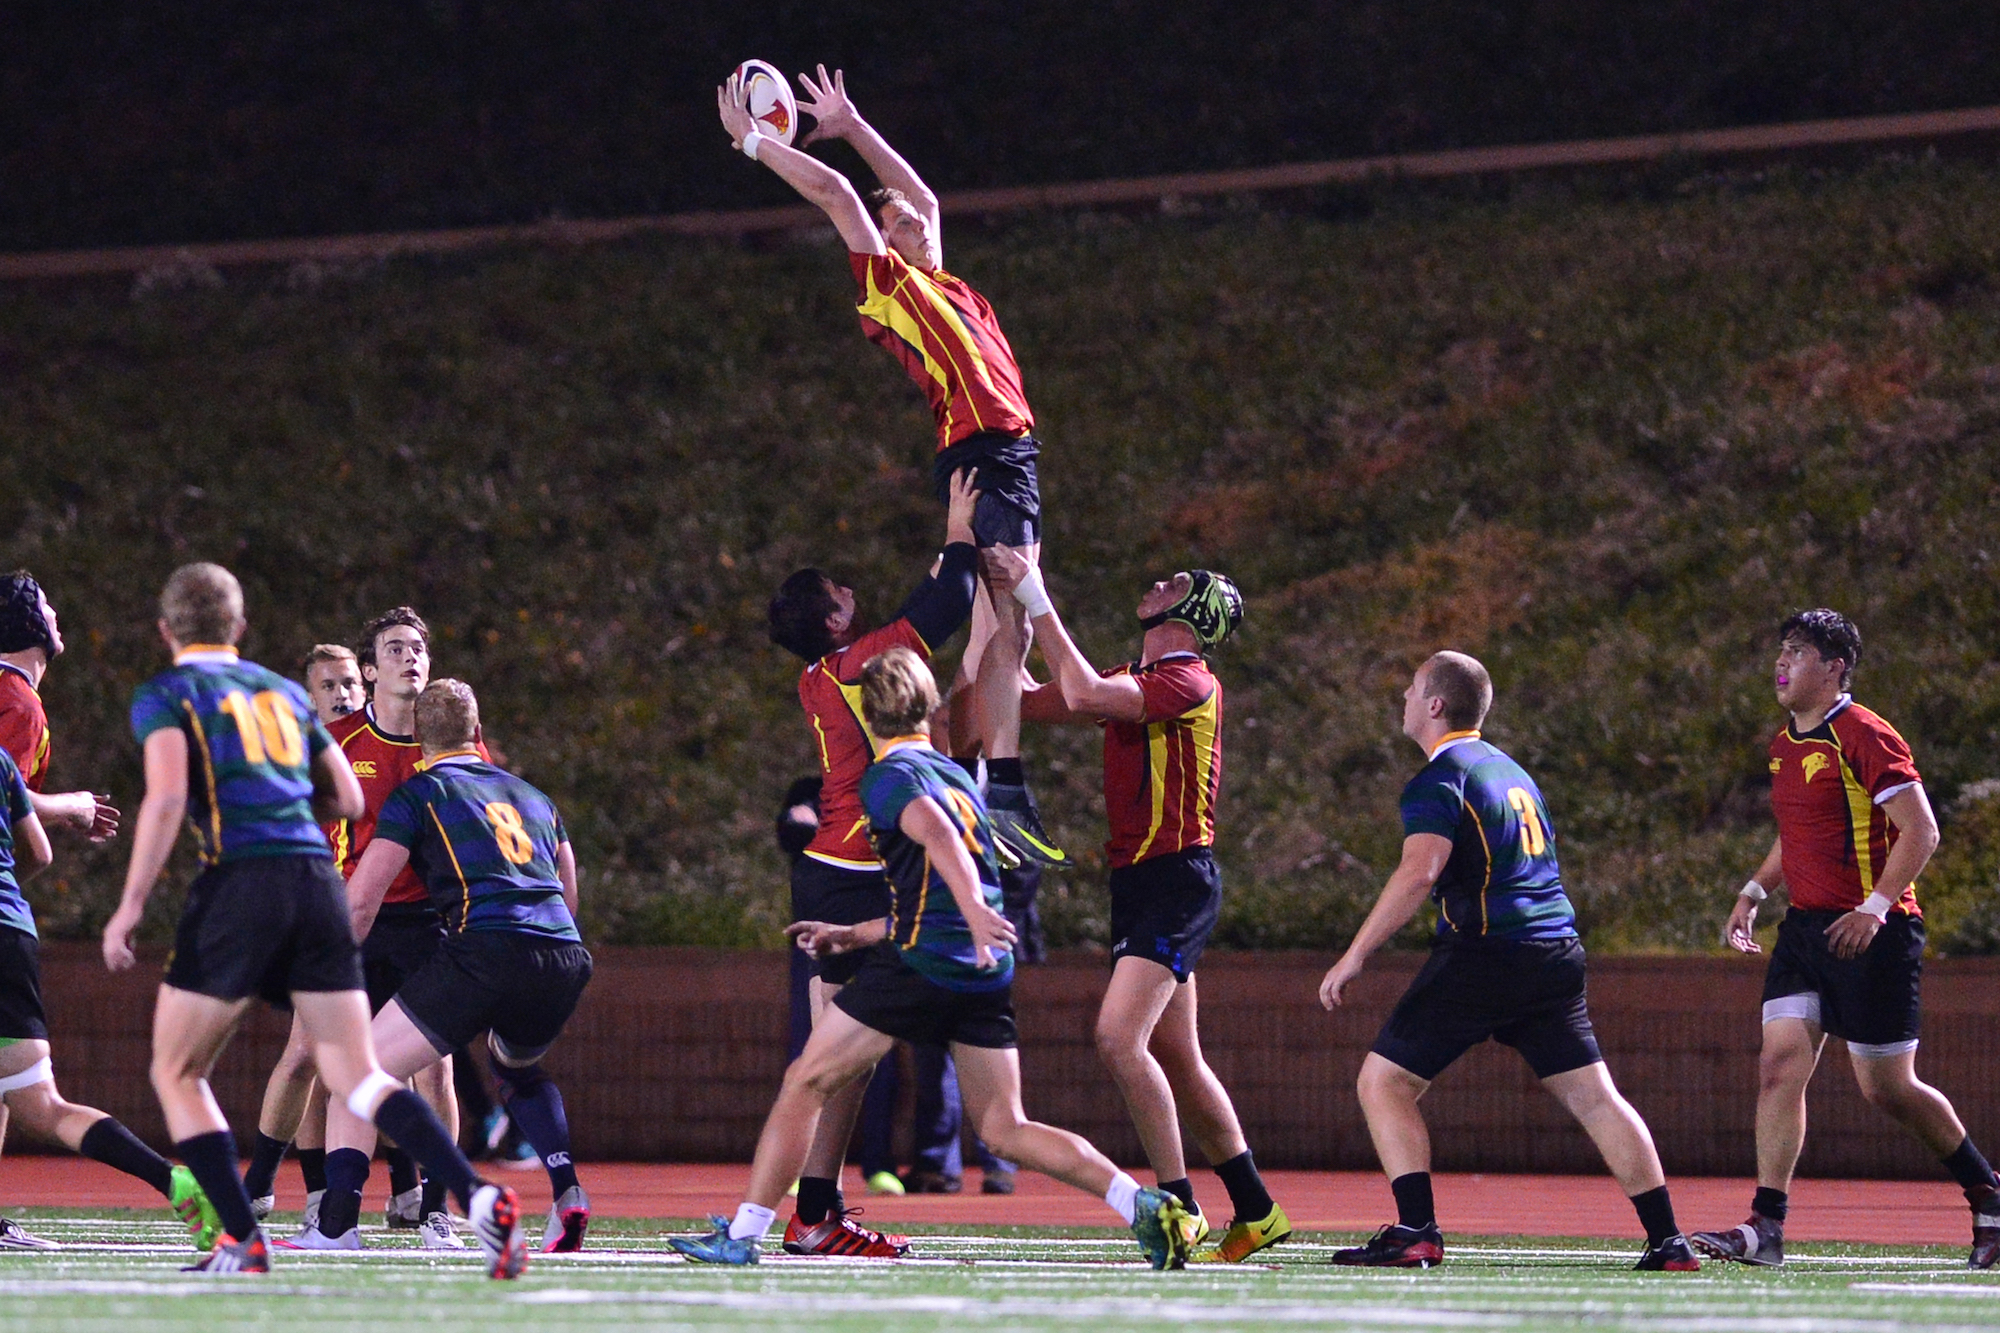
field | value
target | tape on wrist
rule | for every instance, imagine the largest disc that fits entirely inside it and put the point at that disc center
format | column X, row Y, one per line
column 1030, row 593
column 753, row 141
column 1877, row 906
column 1753, row 891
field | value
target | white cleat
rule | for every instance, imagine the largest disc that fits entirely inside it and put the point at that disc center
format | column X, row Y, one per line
column 405, row 1211
column 568, row 1219
column 437, row 1233
column 15, row 1237
column 309, row 1220
column 314, row 1239
column 496, row 1221
column 261, row 1206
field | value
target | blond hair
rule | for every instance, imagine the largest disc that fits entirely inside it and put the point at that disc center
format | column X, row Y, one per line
column 447, row 715
column 898, row 693
column 203, row 603
column 1463, row 684
column 326, row 652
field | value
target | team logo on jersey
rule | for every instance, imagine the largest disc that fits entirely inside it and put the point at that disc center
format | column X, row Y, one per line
column 364, row 768
column 1813, row 763
column 1777, row 764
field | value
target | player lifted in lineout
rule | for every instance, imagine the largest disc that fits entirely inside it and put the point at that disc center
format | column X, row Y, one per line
column 29, row 639
column 1506, row 964
column 839, row 879
column 936, row 969
column 1854, row 831
column 493, row 854
column 1162, row 721
column 945, row 335
column 237, row 753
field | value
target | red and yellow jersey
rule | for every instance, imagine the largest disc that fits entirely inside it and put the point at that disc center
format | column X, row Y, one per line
column 383, row 762
column 24, row 725
column 830, row 691
column 1827, row 790
column 948, row 341
column 1162, row 774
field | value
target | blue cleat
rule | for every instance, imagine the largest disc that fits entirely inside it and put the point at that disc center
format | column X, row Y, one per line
column 716, row 1247
column 1162, row 1226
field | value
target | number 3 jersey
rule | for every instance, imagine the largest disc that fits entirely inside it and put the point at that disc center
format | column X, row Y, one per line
column 484, row 843
column 1502, row 879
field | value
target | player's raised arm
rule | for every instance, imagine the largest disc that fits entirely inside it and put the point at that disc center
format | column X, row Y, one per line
column 819, row 184
column 1424, row 858
column 943, row 601
column 834, row 117
column 1084, row 691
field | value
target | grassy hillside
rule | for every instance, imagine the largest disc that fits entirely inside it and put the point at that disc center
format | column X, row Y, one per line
column 1603, row 439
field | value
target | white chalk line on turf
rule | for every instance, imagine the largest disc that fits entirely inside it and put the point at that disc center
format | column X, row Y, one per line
column 1970, row 1287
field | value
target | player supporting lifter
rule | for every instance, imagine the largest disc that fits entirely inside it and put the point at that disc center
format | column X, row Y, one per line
column 1506, row 964
column 1854, row 831
column 238, row 752
column 492, row 852
column 945, row 335
column 1162, row 720
column 839, row 879
column 949, row 981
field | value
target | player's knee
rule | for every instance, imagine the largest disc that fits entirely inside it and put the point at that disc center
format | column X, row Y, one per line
column 522, row 1081
column 1116, row 1044
column 1381, row 1082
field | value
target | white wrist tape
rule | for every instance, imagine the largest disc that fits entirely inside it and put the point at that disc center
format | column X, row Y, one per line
column 1753, row 891
column 753, row 141
column 370, row 1093
column 1877, row 906
column 1030, row 593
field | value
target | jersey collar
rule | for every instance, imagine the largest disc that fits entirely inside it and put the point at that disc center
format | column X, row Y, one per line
column 26, row 679
column 465, row 756
column 1452, row 738
column 375, row 724
column 902, row 742
column 205, row 652
column 1840, row 706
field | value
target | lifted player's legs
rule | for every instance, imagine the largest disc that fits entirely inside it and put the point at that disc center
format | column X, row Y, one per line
column 1627, row 1145
column 997, row 685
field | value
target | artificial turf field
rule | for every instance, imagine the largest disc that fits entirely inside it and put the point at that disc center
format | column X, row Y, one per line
column 119, row 1269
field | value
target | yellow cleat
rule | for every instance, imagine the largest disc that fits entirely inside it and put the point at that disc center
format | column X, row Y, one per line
column 1196, row 1228
column 1244, row 1239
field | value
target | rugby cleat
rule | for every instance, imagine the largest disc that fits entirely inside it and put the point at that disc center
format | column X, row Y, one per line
column 405, row 1211
column 13, row 1236
column 236, row 1256
column 1196, row 1226
column 1244, row 1239
column 1985, row 1229
column 437, row 1233
column 1760, row 1241
column 1019, row 824
column 190, row 1204
column 716, row 1247
column 309, row 1219
column 1671, row 1255
column 312, row 1238
column 882, row 1182
column 263, row 1205
column 569, row 1217
column 841, row 1235
column 1160, row 1225
column 1395, row 1246
column 496, row 1222
column 996, row 1182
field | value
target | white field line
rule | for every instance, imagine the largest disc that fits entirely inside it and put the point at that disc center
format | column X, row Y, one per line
column 1970, row 1288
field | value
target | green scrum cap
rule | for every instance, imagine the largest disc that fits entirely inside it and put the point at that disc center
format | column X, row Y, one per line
column 1212, row 609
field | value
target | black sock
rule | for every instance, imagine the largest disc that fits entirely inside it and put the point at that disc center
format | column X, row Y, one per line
column 1415, row 1208
column 1247, row 1194
column 1182, row 1189
column 340, row 1207
column 1006, row 772
column 404, row 1118
column 212, row 1159
column 968, row 762
column 818, row 1196
column 1656, row 1214
column 402, row 1171
column 111, row 1143
column 312, row 1168
column 535, row 1103
column 1767, row 1202
column 262, row 1177
column 433, row 1197
column 1970, row 1170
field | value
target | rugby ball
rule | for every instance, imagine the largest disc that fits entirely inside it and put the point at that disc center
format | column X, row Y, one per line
column 767, row 96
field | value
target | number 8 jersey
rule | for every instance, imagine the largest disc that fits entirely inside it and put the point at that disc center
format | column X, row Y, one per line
column 252, row 737
column 1502, row 879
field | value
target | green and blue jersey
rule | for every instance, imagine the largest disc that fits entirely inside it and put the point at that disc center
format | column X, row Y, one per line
column 252, row 737
column 14, row 909
column 927, row 926
column 484, row 843
column 1502, row 880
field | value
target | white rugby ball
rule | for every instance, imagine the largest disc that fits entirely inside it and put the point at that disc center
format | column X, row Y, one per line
column 767, row 96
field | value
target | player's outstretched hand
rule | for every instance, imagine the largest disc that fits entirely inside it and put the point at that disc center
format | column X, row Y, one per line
column 735, row 116
column 1851, row 934
column 1004, row 567
column 1335, row 982
column 102, row 825
column 959, row 504
column 822, row 939
column 833, row 115
column 991, row 933
column 1742, row 921
column 118, row 939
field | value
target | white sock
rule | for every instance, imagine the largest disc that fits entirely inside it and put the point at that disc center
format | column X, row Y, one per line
column 1123, row 1196
column 751, row 1222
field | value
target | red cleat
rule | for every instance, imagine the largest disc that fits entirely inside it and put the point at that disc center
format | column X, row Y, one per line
column 840, row 1235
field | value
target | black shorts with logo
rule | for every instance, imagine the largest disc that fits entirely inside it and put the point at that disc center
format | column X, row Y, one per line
column 893, row 998
column 1528, row 994
column 1009, row 511
column 1873, row 999
column 265, row 926
column 840, row 897
column 21, row 1016
column 1164, row 909
column 403, row 938
column 524, row 987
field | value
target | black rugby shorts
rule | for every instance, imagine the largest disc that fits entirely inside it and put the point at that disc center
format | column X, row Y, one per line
column 1528, row 994
column 265, row 926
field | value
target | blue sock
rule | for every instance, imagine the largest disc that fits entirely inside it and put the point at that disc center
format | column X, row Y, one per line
column 535, row 1104
column 340, row 1206
column 413, row 1125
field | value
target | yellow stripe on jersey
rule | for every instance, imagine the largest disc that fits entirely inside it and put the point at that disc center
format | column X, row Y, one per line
column 466, row 889
column 1205, row 731
column 895, row 312
column 1487, row 848
column 1860, row 821
column 1156, row 760
column 852, row 695
column 213, row 855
